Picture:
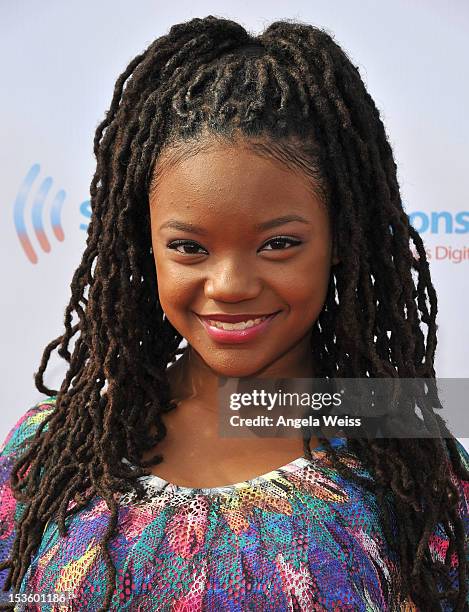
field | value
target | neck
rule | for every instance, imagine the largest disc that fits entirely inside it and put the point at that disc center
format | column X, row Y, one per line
column 190, row 377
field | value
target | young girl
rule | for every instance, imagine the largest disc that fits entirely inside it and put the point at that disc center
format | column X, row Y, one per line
column 239, row 178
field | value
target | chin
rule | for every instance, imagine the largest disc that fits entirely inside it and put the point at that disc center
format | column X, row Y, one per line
column 235, row 370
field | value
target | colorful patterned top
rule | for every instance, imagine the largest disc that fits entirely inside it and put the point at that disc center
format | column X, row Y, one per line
column 298, row 538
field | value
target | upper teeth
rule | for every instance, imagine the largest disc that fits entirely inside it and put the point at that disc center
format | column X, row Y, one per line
column 240, row 325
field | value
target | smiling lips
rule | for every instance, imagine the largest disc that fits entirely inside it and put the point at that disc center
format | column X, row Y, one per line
column 235, row 328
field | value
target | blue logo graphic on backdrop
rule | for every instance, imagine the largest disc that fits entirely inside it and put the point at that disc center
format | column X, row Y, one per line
column 39, row 197
column 85, row 209
column 440, row 222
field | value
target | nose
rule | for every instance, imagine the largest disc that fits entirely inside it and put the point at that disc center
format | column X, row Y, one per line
column 232, row 281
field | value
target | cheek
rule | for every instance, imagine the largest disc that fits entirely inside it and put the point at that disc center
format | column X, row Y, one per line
column 306, row 302
column 304, row 286
column 176, row 287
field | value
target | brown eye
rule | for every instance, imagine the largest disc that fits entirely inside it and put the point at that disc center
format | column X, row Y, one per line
column 281, row 240
column 190, row 245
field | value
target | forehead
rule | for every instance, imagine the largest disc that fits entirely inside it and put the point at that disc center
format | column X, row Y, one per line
column 231, row 172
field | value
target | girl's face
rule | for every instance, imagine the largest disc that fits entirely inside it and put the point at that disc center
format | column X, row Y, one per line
column 234, row 233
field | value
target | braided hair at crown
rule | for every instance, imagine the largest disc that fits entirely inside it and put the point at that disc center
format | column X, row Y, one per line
column 290, row 92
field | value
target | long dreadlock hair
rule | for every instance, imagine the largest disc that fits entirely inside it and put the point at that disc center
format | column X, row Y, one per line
column 290, row 84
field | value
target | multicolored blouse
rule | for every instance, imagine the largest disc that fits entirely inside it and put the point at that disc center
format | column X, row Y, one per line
column 299, row 538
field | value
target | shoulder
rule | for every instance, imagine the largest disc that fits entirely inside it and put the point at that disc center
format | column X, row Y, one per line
column 439, row 541
column 13, row 445
column 462, row 485
column 26, row 426
column 464, row 455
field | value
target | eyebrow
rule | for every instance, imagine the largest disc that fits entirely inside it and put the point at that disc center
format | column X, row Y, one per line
column 259, row 227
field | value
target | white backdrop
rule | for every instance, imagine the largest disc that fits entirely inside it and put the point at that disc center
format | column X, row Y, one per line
column 60, row 62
